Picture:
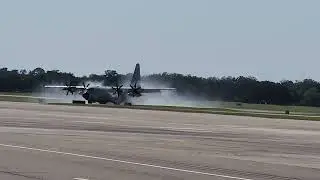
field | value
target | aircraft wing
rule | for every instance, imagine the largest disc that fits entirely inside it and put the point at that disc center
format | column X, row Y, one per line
column 153, row 90
column 77, row 87
column 109, row 88
column 150, row 90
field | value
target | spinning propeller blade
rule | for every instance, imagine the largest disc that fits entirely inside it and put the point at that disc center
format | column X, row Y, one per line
column 68, row 88
column 135, row 91
column 85, row 87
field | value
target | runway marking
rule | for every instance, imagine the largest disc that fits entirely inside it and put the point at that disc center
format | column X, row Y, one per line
column 89, row 122
column 125, row 162
column 79, row 179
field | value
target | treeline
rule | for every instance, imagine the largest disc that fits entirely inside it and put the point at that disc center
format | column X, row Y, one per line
column 239, row 89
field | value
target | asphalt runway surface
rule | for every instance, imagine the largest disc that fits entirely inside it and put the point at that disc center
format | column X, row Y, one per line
column 89, row 143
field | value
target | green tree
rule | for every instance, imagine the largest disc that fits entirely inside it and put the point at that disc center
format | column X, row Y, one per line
column 111, row 78
column 311, row 97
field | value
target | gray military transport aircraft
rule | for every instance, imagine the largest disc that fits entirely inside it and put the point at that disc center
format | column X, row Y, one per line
column 103, row 95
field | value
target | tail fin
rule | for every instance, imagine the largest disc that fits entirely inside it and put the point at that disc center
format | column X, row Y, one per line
column 136, row 76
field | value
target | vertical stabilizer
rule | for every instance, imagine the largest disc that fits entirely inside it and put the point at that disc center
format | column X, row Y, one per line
column 136, row 76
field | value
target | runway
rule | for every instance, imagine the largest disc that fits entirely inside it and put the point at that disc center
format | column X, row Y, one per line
column 88, row 143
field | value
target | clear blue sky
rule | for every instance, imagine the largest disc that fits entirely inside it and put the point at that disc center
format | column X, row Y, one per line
column 270, row 39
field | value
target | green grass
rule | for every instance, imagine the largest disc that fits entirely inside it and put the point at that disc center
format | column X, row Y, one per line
column 18, row 99
column 17, row 93
column 269, row 107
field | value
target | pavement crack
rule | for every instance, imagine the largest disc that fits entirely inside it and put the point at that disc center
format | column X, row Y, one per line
column 22, row 174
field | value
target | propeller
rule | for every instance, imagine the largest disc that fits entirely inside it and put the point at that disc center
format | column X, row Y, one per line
column 135, row 91
column 117, row 90
column 85, row 87
column 69, row 88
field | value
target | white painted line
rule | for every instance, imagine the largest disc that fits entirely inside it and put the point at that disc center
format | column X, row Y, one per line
column 122, row 161
column 184, row 129
column 80, row 179
column 88, row 122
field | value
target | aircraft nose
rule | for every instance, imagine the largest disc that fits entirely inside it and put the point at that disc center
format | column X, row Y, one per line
column 85, row 95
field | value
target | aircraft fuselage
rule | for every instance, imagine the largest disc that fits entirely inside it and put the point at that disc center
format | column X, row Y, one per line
column 100, row 95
